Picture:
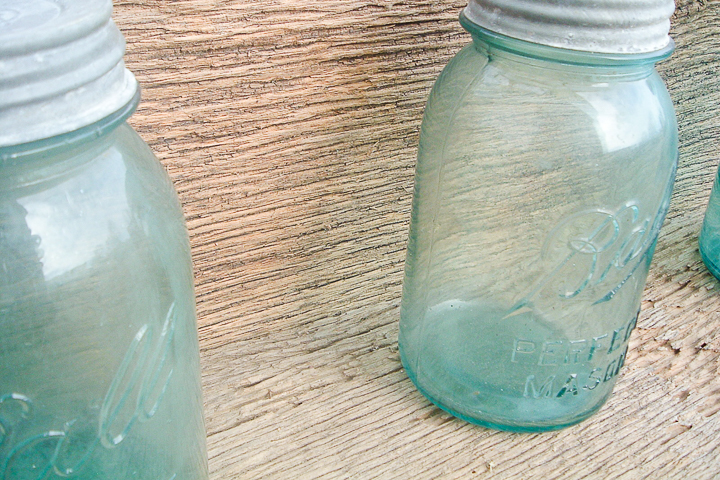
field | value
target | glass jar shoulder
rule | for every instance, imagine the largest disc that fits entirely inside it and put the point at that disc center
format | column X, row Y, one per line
column 147, row 179
column 54, row 163
column 463, row 69
column 71, row 208
column 482, row 96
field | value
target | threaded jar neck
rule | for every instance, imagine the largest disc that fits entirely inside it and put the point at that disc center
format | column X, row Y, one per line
column 49, row 147
column 492, row 41
column 607, row 26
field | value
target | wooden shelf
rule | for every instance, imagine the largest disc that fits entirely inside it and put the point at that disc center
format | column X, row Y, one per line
column 290, row 131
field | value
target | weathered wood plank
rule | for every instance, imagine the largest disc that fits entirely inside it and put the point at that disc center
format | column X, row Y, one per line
column 290, row 131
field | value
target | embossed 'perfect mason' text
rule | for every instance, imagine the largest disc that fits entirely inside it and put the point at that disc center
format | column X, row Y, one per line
column 608, row 351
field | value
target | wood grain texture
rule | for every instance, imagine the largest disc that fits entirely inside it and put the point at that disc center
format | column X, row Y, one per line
column 290, row 131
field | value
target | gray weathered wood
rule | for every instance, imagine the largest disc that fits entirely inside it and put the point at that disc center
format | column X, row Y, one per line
column 290, row 131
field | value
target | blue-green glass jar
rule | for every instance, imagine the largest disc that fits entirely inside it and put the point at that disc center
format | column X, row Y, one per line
column 99, row 358
column 710, row 232
column 544, row 174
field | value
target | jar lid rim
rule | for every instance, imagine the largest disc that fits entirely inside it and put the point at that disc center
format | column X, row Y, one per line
column 68, row 139
column 600, row 26
column 565, row 55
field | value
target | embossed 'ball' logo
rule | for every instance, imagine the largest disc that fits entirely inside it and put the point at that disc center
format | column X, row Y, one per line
column 592, row 254
column 135, row 394
column 597, row 250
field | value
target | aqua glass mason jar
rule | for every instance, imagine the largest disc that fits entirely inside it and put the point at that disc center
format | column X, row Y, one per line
column 99, row 358
column 544, row 174
column 710, row 232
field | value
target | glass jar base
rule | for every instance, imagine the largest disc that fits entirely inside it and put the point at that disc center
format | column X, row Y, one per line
column 473, row 407
column 709, row 263
column 518, row 372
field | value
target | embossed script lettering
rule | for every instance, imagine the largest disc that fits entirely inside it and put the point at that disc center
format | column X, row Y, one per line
column 594, row 253
column 134, row 396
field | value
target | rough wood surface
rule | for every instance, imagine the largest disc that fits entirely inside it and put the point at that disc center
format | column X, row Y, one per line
column 290, row 131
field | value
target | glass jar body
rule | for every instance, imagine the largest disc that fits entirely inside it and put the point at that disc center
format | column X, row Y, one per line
column 710, row 232
column 540, row 189
column 99, row 359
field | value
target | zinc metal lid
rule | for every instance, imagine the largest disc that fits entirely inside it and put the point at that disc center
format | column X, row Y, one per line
column 603, row 26
column 61, row 67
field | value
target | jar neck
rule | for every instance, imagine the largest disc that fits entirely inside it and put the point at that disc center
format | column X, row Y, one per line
column 46, row 146
column 500, row 47
column 29, row 163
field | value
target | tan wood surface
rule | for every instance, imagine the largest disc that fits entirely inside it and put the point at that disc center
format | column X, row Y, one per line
column 290, row 132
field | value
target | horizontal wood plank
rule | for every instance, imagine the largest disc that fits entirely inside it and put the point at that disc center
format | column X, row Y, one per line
column 290, row 131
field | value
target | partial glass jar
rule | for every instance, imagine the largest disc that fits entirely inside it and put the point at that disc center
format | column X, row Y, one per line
column 99, row 363
column 543, row 177
column 710, row 232
column 99, row 357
